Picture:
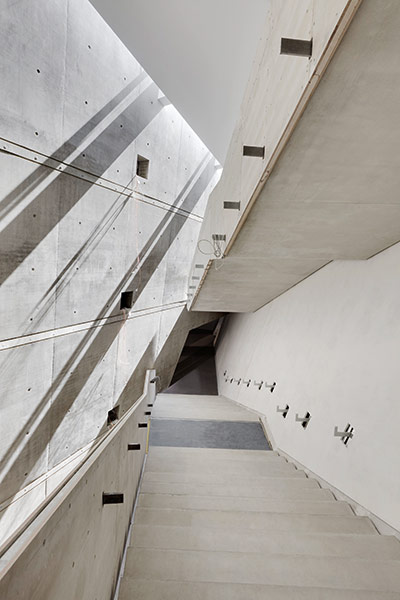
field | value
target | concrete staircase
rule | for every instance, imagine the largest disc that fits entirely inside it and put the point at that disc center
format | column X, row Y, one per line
column 215, row 524
column 231, row 524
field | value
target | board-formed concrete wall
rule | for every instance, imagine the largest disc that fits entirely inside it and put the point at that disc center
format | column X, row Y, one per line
column 74, row 546
column 332, row 346
column 78, row 228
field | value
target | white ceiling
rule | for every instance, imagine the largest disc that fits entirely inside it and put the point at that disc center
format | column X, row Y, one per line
column 199, row 52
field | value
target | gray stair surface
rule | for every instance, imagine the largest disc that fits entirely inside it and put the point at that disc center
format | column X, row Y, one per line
column 240, row 524
column 279, row 569
column 278, row 542
column 142, row 589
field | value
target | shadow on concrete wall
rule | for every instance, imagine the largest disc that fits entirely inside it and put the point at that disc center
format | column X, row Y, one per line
column 96, row 342
column 202, row 380
column 51, row 204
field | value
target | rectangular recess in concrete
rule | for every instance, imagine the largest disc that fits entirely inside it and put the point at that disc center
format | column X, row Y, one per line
column 126, row 300
column 113, row 498
column 113, row 415
column 208, row 434
column 133, row 446
column 295, row 47
column 256, row 151
column 142, row 167
column 232, row 205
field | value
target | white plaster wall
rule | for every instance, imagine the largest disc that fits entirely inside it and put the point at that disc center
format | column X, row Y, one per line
column 332, row 344
column 77, row 228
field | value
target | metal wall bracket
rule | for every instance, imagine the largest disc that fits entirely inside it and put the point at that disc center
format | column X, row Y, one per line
column 303, row 420
column 247, row 382
column 259, row 384
column 270, row 386
column 344, row 435
column 236, row 381
column 284, row 411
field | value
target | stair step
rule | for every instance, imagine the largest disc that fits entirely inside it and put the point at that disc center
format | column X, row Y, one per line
column 243, row 504
column 288, row 489
column 175, row 452
column 278, row 542
column 220, row 455
column 239, row 567
column 143, row 589
column 192, row 412
column 226, row 469
column 254, row 520
column 221, row 476
column 158, row 463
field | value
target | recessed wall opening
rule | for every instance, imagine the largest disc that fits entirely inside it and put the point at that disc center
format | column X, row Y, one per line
column 256, row 151
column 232, row 205
column 113, row 415
column 126, row 300
column 295, row 47
column 142, row 167
column 195, row 371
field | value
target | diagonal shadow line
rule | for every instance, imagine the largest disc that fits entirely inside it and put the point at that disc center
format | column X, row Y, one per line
column 65, row 276
column 63, row 152
column 76, row 378
column 103, row 151
column 68, row 273
column 133, row 387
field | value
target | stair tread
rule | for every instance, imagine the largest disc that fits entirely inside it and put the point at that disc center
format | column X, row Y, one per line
column 143, row 589
column 225, row 465
column 208, row 476
column 287, row 488
column 239, row 567
column 147, row 500
column 251, row 520
column 176, row 451
column 263, row 457
column 282, row 542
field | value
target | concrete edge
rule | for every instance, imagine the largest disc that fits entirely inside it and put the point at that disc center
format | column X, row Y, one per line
column 382, row 527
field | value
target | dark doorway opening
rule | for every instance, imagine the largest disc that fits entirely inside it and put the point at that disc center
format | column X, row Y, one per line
column 195, row 372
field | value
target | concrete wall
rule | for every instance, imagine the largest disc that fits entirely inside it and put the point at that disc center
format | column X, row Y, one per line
column 331, row 344
column 202, row 380
column 74, row 546
column 77, row 229
column 278, row 89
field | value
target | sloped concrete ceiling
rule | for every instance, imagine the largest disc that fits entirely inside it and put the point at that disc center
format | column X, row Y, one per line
column 198, row 52
column 331, row 191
